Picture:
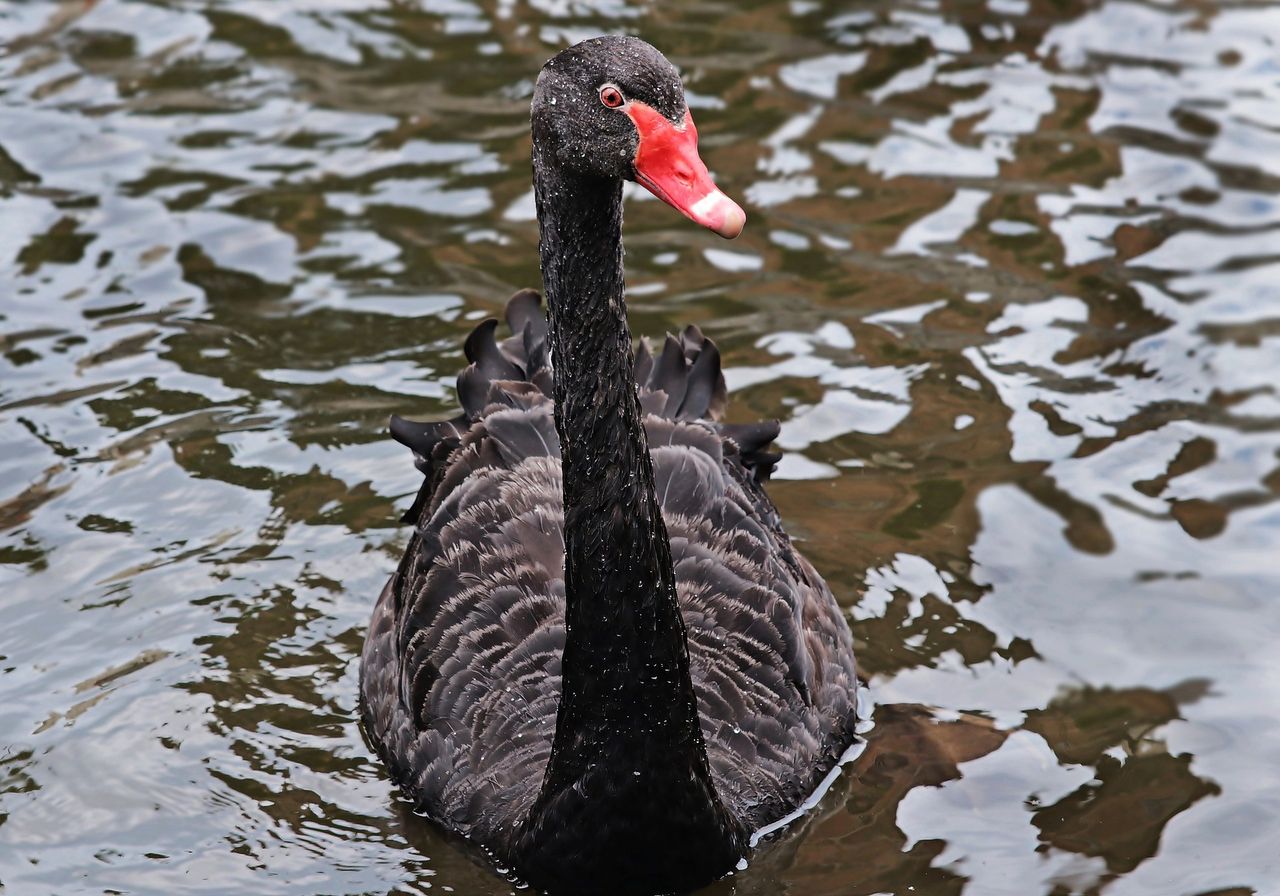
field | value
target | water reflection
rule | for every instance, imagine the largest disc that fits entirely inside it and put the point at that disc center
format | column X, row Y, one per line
column 1010, row 284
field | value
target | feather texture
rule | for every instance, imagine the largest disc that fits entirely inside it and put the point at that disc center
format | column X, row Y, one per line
column 461, row 668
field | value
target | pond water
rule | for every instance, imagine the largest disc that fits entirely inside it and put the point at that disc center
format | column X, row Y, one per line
column 1010, row 278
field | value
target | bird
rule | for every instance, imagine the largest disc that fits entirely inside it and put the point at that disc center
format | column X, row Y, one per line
column 601, row 659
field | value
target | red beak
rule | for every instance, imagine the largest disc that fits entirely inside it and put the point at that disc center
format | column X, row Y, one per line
column 668, row 166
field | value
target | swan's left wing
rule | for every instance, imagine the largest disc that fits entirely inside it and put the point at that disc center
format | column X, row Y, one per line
column 771, row 654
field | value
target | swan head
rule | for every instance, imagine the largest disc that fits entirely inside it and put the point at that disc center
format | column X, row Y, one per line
column 614, row 108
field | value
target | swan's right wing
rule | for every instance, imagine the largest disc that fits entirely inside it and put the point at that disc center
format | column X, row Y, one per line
column 461, row 667
column 460, row 676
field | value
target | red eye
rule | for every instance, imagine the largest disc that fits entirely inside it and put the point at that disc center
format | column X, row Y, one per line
column 611, row 97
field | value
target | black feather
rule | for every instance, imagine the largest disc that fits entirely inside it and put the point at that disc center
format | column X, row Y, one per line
column 472, row 625
column 704, row 377
column 482, row 350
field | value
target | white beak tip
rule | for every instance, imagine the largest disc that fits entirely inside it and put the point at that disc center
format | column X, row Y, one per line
column 719, row 213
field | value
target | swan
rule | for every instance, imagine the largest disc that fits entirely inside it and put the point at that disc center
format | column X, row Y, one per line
column 601, row 659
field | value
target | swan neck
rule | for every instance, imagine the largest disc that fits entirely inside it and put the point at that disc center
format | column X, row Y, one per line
column 628, row 744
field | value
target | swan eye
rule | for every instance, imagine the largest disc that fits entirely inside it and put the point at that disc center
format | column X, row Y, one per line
column 611, row 97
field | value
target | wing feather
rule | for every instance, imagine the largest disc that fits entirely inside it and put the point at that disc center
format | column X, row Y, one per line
column 461, row 670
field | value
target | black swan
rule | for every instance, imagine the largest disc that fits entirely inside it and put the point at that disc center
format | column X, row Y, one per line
column 601, row 659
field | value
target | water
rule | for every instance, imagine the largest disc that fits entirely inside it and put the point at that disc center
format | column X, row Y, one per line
column 1009, row 278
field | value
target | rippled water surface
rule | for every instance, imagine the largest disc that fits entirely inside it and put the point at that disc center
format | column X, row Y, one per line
column 1011, row 279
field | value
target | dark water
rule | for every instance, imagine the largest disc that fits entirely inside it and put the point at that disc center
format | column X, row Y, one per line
column 1011, row 278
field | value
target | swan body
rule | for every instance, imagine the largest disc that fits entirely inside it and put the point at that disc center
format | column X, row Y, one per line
column 601, row 658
